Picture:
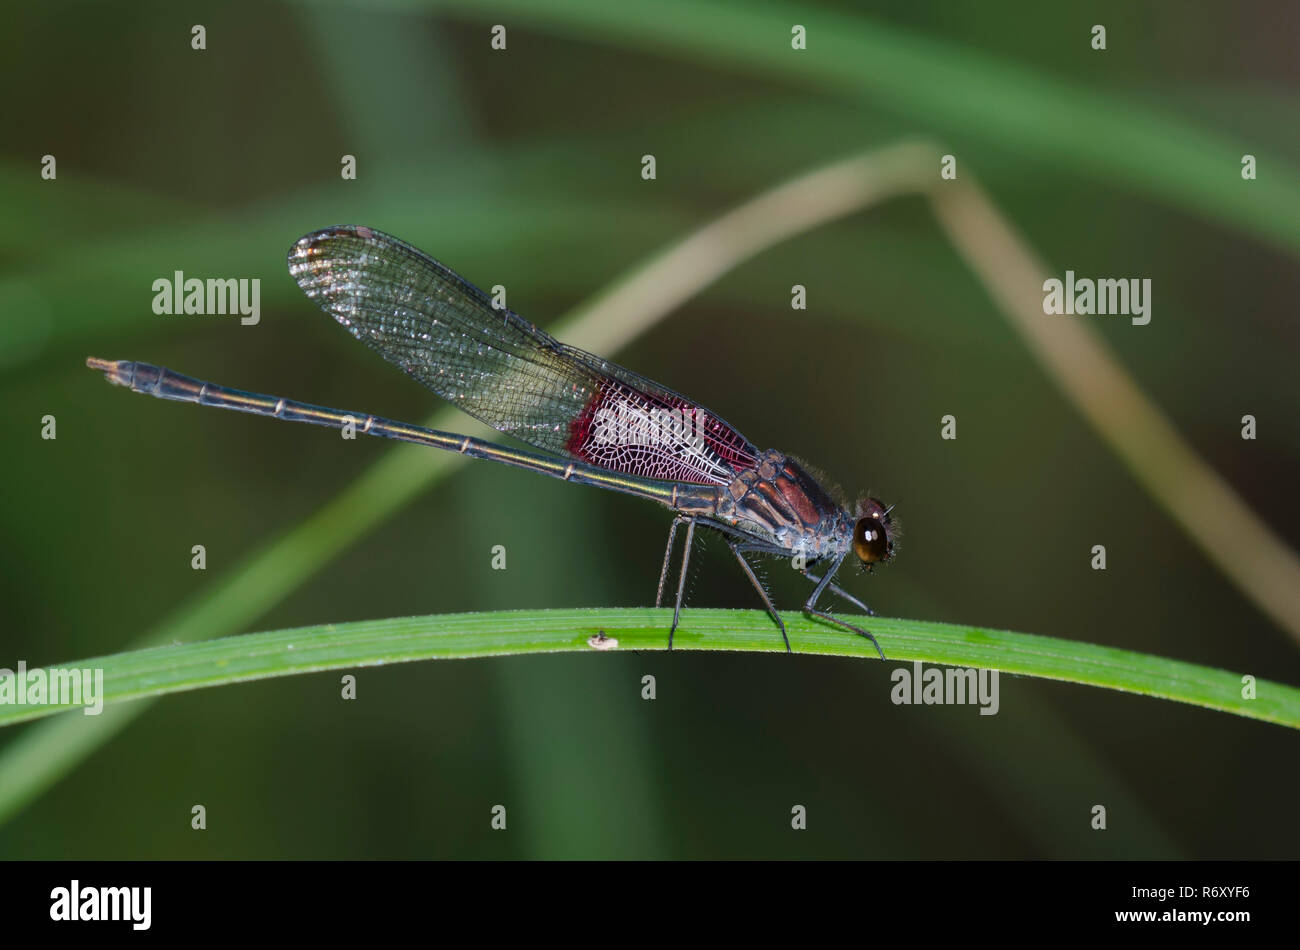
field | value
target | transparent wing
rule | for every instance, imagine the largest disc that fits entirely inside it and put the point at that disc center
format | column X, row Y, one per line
column 444, row 332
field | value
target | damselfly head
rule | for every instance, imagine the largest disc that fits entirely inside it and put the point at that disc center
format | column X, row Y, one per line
column 875, row 532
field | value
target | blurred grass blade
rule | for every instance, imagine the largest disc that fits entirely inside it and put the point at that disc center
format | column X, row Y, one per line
column 947, row 89
column 1235, row 539
column 158, row 671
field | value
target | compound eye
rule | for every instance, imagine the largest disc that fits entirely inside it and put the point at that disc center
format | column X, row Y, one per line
column 870, row 541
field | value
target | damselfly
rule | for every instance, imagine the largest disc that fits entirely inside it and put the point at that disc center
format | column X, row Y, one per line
column 595, row 422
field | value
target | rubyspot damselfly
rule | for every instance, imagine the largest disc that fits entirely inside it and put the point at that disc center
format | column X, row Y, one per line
column 595, row 422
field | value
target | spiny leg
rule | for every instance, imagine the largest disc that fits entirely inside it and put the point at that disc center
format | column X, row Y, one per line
column 811, row 607
column 681, row 583
column 822, row 582
column 668, row 556
column 767, row 601
column 845, row 624
column 836, row 588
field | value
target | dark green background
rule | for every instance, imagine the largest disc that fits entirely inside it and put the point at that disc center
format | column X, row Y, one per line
column 522, row 168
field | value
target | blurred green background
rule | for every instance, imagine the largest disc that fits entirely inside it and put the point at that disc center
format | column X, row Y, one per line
column 522, row 167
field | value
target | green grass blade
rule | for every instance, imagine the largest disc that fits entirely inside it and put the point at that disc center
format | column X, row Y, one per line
column 158, row 671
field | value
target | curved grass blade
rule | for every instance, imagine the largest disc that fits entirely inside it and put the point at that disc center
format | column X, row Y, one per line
column 159, row 671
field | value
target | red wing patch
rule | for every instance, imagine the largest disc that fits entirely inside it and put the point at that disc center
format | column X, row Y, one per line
column 628, row 430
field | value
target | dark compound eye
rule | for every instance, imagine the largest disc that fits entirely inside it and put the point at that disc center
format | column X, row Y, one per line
column 871, row 540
